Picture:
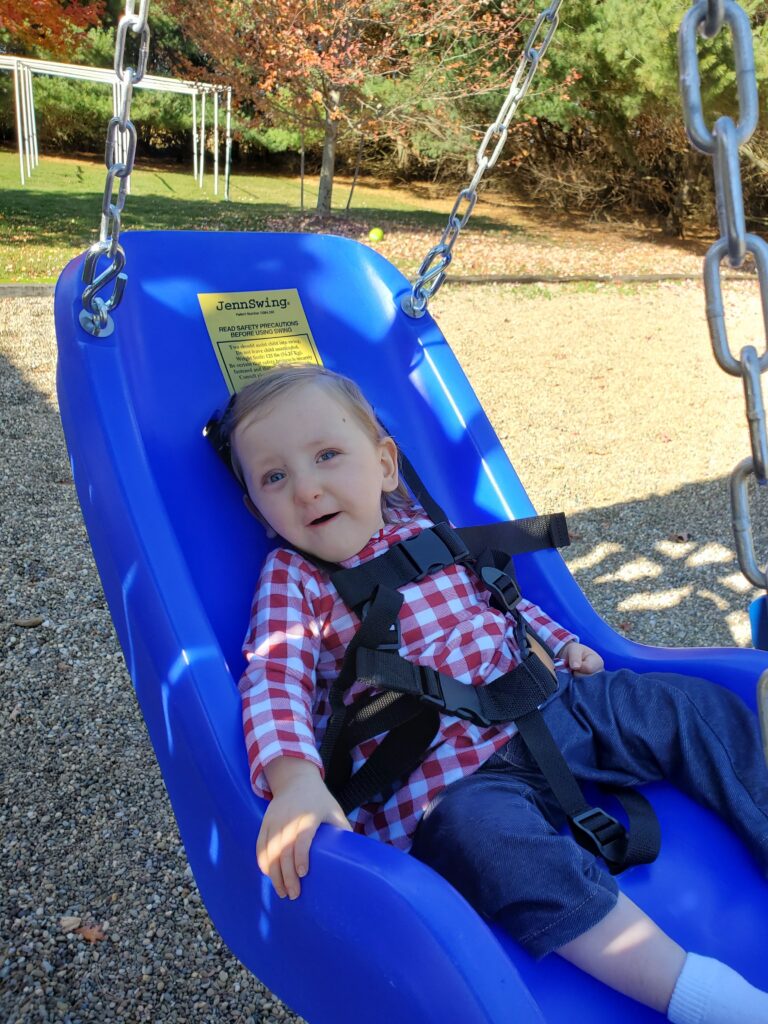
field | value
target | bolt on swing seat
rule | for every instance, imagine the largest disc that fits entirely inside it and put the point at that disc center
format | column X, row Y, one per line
column 375, row 935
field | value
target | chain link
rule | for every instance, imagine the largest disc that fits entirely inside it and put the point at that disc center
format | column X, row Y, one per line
column 728, row 194
column 714, row 19
column 119, row 157
column 753, row 396
column 434, row 267
column 706, row 18
column 690, row 80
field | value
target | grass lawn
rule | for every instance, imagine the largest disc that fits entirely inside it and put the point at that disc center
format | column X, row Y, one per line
column 56, row 215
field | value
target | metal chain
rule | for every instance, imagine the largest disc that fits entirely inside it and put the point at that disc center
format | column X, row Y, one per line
column 433, row 269
column 714, row 20
column 706, row 17
column 119, row 156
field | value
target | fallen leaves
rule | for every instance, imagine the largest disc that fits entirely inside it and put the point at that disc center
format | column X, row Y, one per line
column 30, row 623
column 90, row 932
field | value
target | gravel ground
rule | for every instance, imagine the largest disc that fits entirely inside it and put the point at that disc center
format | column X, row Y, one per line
column 611, row 406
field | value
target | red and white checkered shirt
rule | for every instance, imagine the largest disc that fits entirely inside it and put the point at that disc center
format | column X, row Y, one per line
column 299, row 631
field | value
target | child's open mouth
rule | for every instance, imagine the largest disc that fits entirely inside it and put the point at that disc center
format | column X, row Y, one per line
column 323, row 519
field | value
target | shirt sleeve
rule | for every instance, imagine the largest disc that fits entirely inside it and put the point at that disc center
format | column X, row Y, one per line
column 553, row 636
column 281, row 648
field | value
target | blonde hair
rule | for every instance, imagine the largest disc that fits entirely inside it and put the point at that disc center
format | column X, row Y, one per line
column 278, row 383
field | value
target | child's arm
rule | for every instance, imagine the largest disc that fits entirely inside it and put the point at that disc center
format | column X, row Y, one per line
column 559, row 642
column 301, row 802
column 282, row 649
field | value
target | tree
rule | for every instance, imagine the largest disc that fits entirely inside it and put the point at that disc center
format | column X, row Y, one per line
column 613, row 135
column 47, row 25
column 376, row 66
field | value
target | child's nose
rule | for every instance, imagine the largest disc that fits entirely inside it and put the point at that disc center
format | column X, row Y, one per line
column 307, row 488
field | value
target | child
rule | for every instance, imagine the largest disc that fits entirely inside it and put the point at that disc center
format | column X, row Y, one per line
column 321, row 473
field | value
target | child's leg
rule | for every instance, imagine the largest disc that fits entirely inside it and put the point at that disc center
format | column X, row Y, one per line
column 627, row 951
column 491, row 836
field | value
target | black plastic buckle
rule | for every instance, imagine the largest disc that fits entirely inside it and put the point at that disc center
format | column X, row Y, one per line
column 597, row 832
column 459, row 550
column 502, row 586
column 451, row 696
column 427, row 553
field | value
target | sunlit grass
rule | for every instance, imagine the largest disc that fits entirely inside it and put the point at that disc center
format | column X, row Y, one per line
column 56, row 214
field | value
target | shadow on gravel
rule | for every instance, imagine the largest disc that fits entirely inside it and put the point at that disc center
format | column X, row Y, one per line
column 663, row 570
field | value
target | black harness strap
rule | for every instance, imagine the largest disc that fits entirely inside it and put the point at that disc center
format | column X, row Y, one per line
column 420, row 492
column 379, row 629
column 516, row 536
column 644, row 835
column 520, row 536
column 410, row 560
column 399, row 753
column 407, row 699
column 515, row 696
column 504, row 699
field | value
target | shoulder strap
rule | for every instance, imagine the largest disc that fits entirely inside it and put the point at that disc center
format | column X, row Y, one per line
column 516, row 537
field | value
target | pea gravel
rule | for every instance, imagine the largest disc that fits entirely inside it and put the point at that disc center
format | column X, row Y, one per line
column 612, row 408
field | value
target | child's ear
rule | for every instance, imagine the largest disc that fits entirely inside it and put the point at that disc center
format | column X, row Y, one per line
column 257, row 515
column 388, row 455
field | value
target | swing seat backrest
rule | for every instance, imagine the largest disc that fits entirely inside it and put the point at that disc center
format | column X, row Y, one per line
column 375, row 935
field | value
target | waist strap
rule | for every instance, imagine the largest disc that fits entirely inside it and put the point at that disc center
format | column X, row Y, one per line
column 505, row 699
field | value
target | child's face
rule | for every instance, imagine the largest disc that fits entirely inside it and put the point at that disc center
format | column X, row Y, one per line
column 314, row 474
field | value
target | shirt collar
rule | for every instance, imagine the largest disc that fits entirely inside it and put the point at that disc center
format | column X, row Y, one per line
column 406, row 524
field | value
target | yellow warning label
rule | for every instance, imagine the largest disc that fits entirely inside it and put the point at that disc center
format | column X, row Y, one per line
column 254, row 331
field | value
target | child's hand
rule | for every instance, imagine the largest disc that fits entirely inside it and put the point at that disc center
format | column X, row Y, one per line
column 581, row 660
column 301, row 802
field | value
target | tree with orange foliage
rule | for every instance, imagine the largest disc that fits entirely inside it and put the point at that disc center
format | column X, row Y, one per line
column 370, row 65
column 47, row 25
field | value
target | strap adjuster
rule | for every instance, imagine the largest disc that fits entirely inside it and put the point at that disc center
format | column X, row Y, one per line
column 600, row 833
column 502, row 586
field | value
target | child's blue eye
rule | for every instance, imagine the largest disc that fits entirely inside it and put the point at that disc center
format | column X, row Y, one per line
column 274, row 478
column 327, row 456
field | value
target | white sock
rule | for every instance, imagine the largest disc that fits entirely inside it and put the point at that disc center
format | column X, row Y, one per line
column 710, row 992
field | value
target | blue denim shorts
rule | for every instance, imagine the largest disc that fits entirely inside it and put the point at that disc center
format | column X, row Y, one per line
column 501, row 839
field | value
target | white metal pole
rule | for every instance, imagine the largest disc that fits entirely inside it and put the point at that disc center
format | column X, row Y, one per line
column 194, row 135
column 30, row 134
column 33, row 120
column 216, row 142
column 201, row 165
column 23, row 70
column 25, row 117
column 19, row 127
column 228, row 147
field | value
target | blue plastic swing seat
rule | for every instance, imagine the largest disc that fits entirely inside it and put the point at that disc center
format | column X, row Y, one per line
column 375, row 936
